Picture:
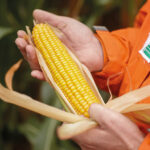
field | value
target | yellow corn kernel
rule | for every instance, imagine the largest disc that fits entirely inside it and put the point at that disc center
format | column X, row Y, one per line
column 64, row 70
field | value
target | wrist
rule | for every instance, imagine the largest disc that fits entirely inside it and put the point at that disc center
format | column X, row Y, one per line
column 103, row 51
column 99, row 57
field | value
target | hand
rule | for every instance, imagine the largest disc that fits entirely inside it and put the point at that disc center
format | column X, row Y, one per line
column 115, row 132
column 76, row 36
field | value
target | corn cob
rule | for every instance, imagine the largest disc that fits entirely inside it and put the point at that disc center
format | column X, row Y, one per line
column 63, row 69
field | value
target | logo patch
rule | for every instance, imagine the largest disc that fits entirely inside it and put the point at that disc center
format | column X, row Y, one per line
column 145, row 51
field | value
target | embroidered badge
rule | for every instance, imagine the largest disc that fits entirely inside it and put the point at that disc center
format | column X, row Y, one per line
column 145, row 51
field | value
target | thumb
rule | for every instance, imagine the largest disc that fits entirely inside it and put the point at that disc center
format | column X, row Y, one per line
column 46, row 17
column 102, row 115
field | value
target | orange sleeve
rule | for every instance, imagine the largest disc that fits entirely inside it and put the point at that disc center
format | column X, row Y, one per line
column 117, row 45
column 146, row 143
column 117, row 48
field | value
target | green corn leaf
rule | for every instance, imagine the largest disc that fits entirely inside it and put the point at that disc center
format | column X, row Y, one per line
column 4, row 31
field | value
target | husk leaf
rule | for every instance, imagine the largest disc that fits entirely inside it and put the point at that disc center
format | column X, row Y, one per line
column 66, row 131
column 27, row 102
column 121, row 103
column 9, row 75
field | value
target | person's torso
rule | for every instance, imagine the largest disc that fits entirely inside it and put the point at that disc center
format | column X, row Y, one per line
column 138, row 68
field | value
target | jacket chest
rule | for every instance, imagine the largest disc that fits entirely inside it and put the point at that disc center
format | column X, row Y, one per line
column 138, row 69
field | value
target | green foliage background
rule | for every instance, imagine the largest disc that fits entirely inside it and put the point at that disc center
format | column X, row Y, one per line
column 19, row 128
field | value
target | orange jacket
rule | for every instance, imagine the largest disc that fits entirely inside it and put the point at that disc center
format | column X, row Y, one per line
column 125, row 67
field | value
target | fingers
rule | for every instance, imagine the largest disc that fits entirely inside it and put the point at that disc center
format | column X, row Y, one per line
column 109, row 119
column 104, row 116
column 21, row 33
column 37, row 74
column 46, row 17
column 59, row 22
column 27, row 50
column 29, row 54
column 21, row 44
column 32, row 58
column 97, row 113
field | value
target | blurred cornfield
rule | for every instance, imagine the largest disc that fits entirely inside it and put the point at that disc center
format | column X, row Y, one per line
column 19, row 128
